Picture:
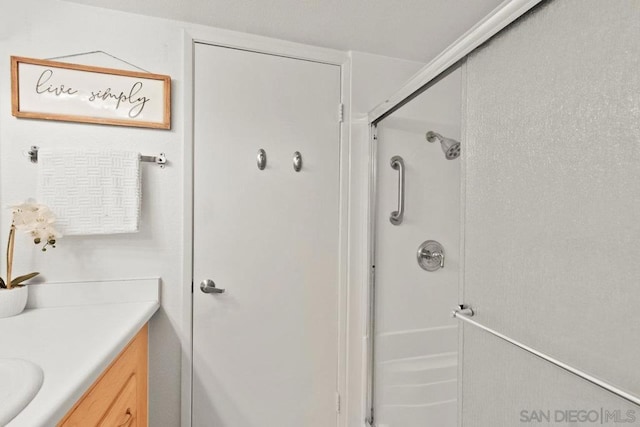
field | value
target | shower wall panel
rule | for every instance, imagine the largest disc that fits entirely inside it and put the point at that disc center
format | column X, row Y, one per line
column 552, row 237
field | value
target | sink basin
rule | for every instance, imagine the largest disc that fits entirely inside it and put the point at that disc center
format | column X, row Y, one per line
column 20, row 381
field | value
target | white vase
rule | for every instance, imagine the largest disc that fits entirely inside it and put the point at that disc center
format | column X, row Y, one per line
column 13, row 301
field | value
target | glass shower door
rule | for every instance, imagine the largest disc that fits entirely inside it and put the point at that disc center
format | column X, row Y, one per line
column 415, row 352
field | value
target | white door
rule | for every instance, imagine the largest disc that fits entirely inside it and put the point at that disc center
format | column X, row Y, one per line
column 416, row 340
column 265, row 352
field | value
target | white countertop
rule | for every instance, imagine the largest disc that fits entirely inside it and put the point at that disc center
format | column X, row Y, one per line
column 75, row 342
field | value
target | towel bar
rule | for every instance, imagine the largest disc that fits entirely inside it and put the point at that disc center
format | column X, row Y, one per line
column 160, row 160
column 465, row 313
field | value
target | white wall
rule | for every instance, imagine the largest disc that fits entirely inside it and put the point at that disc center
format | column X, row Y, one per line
column 46, row 29
column 375, row 78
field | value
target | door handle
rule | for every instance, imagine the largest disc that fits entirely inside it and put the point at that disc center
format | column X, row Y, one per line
column 209, row 287
column 396, row 217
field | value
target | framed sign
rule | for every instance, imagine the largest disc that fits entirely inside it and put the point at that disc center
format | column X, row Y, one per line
column 51, row 90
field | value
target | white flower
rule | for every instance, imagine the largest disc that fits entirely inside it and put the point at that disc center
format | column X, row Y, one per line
column 32, row 216
column 45, row 232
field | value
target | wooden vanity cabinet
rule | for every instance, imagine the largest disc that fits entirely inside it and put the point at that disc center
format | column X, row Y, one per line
column 118, row 398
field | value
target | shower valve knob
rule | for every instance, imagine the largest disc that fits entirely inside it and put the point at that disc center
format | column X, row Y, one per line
column 430, row 255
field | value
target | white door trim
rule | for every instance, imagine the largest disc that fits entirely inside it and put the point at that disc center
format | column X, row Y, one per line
column 270, row 46
column 490, row 25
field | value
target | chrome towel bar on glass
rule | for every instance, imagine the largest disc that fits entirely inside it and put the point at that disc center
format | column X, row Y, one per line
column 160, row 160
column 466, row 313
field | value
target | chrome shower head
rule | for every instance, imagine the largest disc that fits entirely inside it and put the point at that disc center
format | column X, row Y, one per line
column 451, row 147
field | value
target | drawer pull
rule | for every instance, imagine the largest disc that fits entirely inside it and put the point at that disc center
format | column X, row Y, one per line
column 128, row 419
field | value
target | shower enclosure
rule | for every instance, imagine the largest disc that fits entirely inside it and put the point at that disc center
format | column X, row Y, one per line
column 415, row 260
column 548, row 329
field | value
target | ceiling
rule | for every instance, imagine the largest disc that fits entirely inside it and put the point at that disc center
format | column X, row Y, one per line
column 409, row 29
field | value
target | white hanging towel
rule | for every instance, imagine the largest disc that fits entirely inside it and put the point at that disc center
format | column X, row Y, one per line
column 91, row 191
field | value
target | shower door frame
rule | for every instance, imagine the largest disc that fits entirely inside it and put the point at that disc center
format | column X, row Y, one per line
column 449, row 59
column 373, row 237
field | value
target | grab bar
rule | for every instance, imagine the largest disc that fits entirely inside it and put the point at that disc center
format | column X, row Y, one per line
column 465, row 313
column 396, row 217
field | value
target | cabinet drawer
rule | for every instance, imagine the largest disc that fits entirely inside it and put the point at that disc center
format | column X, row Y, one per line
column 123, row 412
column 126, row 375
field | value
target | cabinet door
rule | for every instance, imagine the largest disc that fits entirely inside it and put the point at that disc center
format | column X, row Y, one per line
column 126, row 375
column 123, row 411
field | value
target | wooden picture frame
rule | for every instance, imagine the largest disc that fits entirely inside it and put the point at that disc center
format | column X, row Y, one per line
column 51, row 90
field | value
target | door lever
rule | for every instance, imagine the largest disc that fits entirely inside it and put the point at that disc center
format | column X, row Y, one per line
column 209, row 287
